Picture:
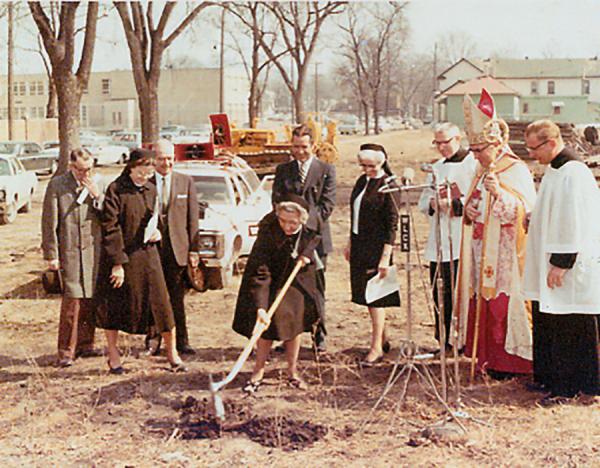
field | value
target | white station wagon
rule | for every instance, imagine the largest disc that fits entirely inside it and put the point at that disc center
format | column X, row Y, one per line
column 16, row 188
column 232, row 202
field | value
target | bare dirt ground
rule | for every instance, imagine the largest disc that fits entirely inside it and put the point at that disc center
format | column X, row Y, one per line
column 82, row 416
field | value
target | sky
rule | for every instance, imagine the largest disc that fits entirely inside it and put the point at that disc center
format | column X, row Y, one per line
column 517, row 28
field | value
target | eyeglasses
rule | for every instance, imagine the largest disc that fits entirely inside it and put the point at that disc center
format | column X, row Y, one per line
column 79, row 170
column 441, row 142
column 479, row 150
column 534, row 148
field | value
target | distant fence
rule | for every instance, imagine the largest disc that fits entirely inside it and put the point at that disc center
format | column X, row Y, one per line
column 38, row 130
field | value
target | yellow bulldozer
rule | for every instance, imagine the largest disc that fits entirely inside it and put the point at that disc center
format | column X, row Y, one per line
column 260, row 148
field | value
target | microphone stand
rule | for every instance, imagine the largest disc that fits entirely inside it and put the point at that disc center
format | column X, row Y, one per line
column 413, row 362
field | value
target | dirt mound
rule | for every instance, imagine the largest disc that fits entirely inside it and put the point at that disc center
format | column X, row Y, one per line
column 198, row 422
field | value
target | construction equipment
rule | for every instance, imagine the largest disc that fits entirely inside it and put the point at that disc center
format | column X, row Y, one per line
column 260, row 148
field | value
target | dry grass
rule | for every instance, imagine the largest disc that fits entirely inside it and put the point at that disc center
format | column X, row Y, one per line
column 82, row 416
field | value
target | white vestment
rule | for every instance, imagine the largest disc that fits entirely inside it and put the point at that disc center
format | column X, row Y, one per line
column 565, row 220
column 461, row 173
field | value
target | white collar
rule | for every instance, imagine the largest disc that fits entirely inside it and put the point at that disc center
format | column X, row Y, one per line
column 306, row 163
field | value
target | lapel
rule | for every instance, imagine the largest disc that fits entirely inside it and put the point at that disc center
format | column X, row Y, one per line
column 174, row 190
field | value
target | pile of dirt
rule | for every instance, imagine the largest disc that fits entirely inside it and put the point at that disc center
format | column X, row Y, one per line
column 198, row 422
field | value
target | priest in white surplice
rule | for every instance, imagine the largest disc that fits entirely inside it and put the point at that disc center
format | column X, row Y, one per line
column 457, row 168
column 488, row 293
column 562, row 269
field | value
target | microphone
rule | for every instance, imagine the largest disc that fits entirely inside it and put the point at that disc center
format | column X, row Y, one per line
column 408, row 175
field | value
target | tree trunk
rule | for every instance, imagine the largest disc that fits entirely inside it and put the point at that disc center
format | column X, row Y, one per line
column 52, row 104
column 148, row 105
column 365, row 109
column 376, row 113
column 253, row 103
column 69, row 95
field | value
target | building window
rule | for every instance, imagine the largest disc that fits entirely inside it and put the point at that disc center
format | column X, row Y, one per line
column 83, row 115
column 525, row 107
column 556, row 110
column 22, row 88
column 15, row 89
column 40, row 88
column 117, row 119
column 534, row 87
column 550, row 87
column 3, row 112
column 585, row 87
column 106, row 86
column 33, row 113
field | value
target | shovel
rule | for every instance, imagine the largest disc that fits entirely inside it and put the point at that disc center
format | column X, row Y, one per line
column 259, row 328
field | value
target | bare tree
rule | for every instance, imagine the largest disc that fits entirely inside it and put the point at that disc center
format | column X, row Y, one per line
column 59, row 43
column 147, row 41
column 374, row 34
column 454, row 46
column 298, row 25
column 413, row 82
column 254, row 17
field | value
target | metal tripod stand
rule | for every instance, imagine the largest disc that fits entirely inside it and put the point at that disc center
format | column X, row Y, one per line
column 409, row 362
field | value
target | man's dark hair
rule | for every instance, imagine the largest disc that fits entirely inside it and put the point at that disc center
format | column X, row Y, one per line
column 302, row 130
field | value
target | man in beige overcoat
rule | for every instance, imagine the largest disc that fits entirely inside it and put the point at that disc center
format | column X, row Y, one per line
column 71, row 240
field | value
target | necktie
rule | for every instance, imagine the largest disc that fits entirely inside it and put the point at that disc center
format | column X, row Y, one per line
column 302, row 172
column 164, row 198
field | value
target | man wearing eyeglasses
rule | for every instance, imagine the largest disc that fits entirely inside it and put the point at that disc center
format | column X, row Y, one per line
column 498, row 333
column 562, row 271
column 71, row 237
column 454, row 172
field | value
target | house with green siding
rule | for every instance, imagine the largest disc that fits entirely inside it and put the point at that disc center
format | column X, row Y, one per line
column 564, row 90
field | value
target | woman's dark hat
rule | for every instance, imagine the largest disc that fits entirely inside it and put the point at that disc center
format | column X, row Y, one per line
column 297, row 199
column 140, row 153
column 52, row 282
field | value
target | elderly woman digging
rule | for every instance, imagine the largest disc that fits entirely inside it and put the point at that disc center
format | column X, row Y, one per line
column 282, row 241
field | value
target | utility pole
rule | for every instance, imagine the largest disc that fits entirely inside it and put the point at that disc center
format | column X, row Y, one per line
column 10, row 43
column 222, row 66
column 433, row 116
column 316, row 90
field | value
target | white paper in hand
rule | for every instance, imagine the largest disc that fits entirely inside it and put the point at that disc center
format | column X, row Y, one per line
column 378, row 287
column 151, row 227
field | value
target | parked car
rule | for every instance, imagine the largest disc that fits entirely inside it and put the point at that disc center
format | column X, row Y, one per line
column 105, row 154
column 194, row 135
column 17, row 186
column 349, row 125
column 129, row 139
column 233, row 200
column 31, row 155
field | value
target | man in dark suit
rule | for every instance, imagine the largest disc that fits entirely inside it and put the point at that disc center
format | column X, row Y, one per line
column 314, row 180
column 178, row 224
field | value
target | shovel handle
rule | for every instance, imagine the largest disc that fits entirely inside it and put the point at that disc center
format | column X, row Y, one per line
column 258, row 330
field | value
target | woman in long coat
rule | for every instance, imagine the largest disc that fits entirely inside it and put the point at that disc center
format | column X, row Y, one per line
column 281, row 241
column 374, row 222
column 132, row 292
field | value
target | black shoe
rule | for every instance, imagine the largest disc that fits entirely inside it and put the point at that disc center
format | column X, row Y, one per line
column 115, row 370
column 186, row 350
column 554, row 400
column 536, row 387
column 386, row 346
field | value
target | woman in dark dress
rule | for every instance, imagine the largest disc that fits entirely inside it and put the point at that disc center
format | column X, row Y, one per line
column 282, row 240
column 132, row 293
column 373, row 222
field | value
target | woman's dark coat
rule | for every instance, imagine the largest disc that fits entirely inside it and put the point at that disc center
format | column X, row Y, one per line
column 269, row 265
column 143, row 299
column 377, row 225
